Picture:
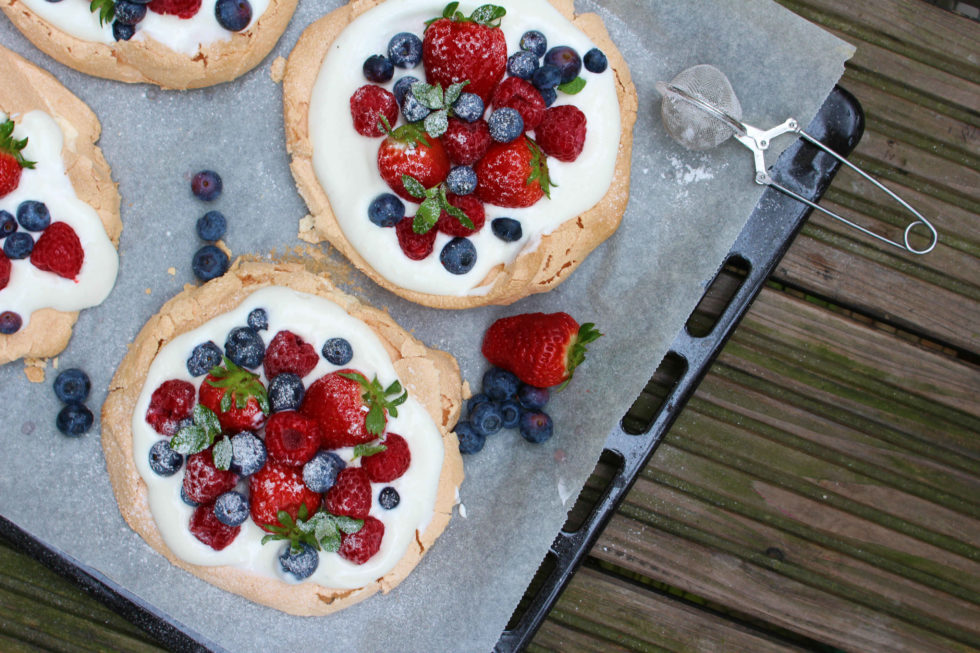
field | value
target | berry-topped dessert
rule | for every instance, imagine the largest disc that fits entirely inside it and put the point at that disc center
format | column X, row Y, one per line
column 172, row 43
column 59, row 212
column 281, row 440
column 460, row 154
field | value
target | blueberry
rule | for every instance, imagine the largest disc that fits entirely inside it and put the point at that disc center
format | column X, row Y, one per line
column 286, row 392
column 469, row 440
column 522, row 64
column 412, row 109
column 532, row 398
column 405, row 50
column 10, row 322
column 378, row 69
column 505, row 125
column 506, row 229
column 129, row 13
column 388, row 498
column 300, row 565
column 203, row 357
column 476, row 400
column 402, row 87
column 386, row 210
column 244, row 347
column 231, row 509
column 122, row 31
column 500, row 384
column 248, row 453
column 164, row 461
column 211, row 226
column 461, row 180
column 74, row 420
column 567, row 61
column 186, row 499
column 595, row 61
column 510, row 413
column 337, row 351
column 536, row 427
column 468, row 107
column 486, row 419
column 258, row 319
column 546, row 76
column 18, row 245
column 8, row 224
column 534, row 41
column 209, row 262
column 549, row 95
column 320, row 473
column 233, row 15
column 72, row 386
column 458, row 256
column 33, row 215
column 206, row 185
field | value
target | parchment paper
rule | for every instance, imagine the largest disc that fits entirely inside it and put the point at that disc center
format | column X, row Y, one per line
column 686, row 210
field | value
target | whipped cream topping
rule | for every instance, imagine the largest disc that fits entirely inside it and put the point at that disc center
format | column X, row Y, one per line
column 314, row 319
column 346, row 162
column 184, row 35
column 29, row 288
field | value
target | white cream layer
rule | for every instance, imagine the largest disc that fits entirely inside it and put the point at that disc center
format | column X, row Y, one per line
column 315, row 320
column 180, row 35
column 31, row 289
column 346, row 162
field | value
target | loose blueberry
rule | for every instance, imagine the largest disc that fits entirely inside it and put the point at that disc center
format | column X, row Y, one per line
column 531, row 398
column 405, row 50
column 402, row 87
column 231, row 509
column 248, row 453
column 469, row 440
column 206, row 185
column 458, row 256
column 549, row 95
column 468, row 107
column 500, row 384
column 301, row 564
column 122, row 31
column 506, row 229
column 388, row 498
column 164, row 461
column 320, row 473
column 412, row 109
column 546, row 76
column 33, row 215
column 505, row 124
column 72, row 386
column 233, row 15
column 534, row 41
column 129, row 13
column 244, row 347
column 209, row 262
column 286, row 392
column 461, row 180
column 8, row 224
column 337, row 351
column 378, row 69
column 211, row 226
column 476, row 400
column 203, row 357
column 258, row 319
column 536, row 427
column 10, row 322
column 567, row 61
column 74, row 420
column 186, row 499
column 522, row 64
column 386, row 210
column 18, row 245
column 595, row 61
column 510, row 413
column 486, row 419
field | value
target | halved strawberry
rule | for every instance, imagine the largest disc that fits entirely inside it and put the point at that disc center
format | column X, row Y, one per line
column 350, row 495
column 170, row 404
column 203, row 482
column 278, row 487
column 408, row 150
column 350, row 409
column 513, row 175
column 387, row 465
column 236, row 396
column 205, row 526
column 287, row 352
column 292, row 438
column 459, row 49
column 11, row 159
column 59, row 250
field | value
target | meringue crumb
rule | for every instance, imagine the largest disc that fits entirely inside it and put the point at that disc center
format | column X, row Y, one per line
column 224, row 248
column 172, row 271
column 34, row 369
column 277, row 70
column 467, row 391
column 55, row 361
column 148, row 291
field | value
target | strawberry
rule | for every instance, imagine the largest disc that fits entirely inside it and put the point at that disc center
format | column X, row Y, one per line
column 408, row 150
column 466, row 142
column 278, row 487
column 561, row 133
column 292, row 438
column 350, row 409
column 468, row 204
column 414, row 246
column 513, row 175
column 387, row 465
column 520, row 95
column 179, row 8
column 58, row 250
column 359, row 547
column 459, row 49
column 11, row 160
column 203, row 482
column 350, row 495
column 541, row 349
column 206, row 527
column 287, row 352
column 236, row 396
column 4, row 270
column 170, row 404
column 368, row 105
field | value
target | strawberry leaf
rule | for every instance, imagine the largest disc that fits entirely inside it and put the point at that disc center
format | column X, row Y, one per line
column 450, row 10
column 576, row 351
column 378, row 400
column 221, row 454
column 9, row 145
column 241, row 385
column 572, row 87
column 539, row 168
column 412, row 133
column 368, row 449
column 106, row 9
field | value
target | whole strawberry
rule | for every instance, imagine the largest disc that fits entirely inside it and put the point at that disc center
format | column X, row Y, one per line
column 408, row 150
column 459, row 49
column 59, row 250
column 350, row 409
column 11, row 159
column 359, row 547
column 350, row 495
column 278, row 487
column 513, row 175
column 236, row 396
column 542, row 349
column 287, row 352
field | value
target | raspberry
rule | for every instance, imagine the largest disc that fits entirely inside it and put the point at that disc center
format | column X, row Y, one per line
column 415, row 246
column 292, row 438
column 287, row 352
column 350, row 494
column 360, row 546
column 561, row 133
column 58, row 250
column 4, row 270
column 172, row 402
column 179, row 8
column 520, row 95
column 391, row 463
column 203, row 482
column 278, row 487
column 466, row 142
column 368, row 104
column 206, row 527
column 468, row 204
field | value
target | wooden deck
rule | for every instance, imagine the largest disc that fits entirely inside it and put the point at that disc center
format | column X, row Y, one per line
column 821, row 491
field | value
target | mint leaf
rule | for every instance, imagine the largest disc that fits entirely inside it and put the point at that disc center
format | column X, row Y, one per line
column 452, row 210
column 429, row 95
column 206, row 419
column 415, row 189
column 426, row 216
column 189, row 440
column 331, row 543
column 348, row 525
column 368, row 449
column 221, row 454
column 573, row 86
column 436, row 123
column 488, row 15
column 454, row 91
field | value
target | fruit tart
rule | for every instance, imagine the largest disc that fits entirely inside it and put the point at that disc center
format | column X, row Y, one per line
column 282, row 441
column 460, row 155
column 59, row 212
column 178, row 44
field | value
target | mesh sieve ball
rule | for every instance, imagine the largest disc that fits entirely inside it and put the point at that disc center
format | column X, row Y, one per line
column 693, row 127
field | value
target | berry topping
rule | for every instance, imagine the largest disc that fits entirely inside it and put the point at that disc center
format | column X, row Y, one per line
column 8, row 224
column 33, row 215
column 320, row 473
column 350, row 495
column 506, row 229
column 385, row 466
column 299, row 565
column 549, row 95
column 459, row 49
column 186, row 499
column 244, row 347
column 209, row 262
column 486, row 419
column 412, row 108
column 211, row 226
column 236, row 396
column 179, row 8
column 520, row 95
column 505, row 124
column 205, row 526
column 567, row 61
column 522, row 64
column 74, row 420
column 534, row 42
column 536, row 427
column 510, row 413
column 388, row 498
column 129, row 13
column 10, row 322
column 466, row 143
column 164, row 461
column 18, row 245
column 561, row 133
column 258, row 319
column 203, row 481
column 231, row 508
column 248, row 453
column 11, row 160
column 368, row 105
column 337, row 351
column 386, row 210
column 500, row 384
column 595, row 61
column 476, row 400
column 203, row 357
column 59, row 251
column 471, row 207
column 292, row 438
column 546, row 77
column 408, row 150
column 287, row 352
column 233, row 15
column 72, row 386
column 206, row 185
column 338, row 400
column 532, row 398
column 468, row 107
column 286, row 392
column 470, row 441
column 461, row 180
column 402, row 87
column 4, row 270
column 513, row 175
column 414, row 246
column 278, row 487
column 458, row 256
column 405, row 50
column 378, row 69
column 122, row 31
column 359, row 547
column 171, row 403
